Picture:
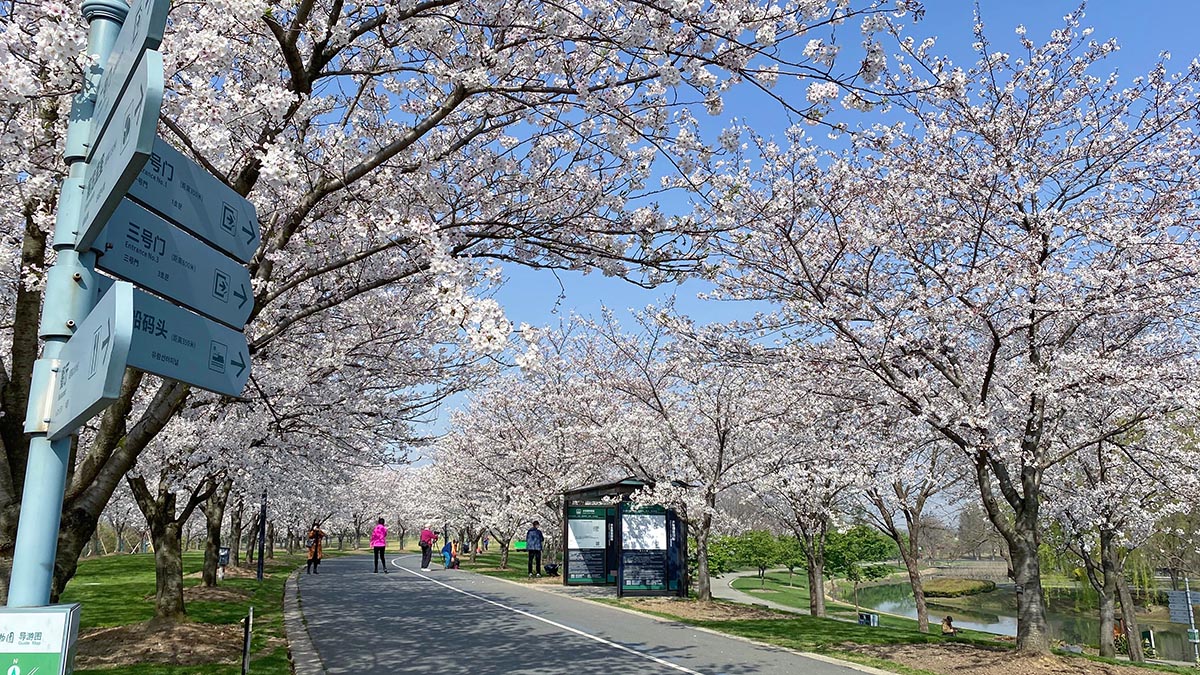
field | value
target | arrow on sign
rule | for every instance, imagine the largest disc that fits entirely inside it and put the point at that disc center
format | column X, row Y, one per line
column 249, row 234
column 241, row 296
column 239, row 363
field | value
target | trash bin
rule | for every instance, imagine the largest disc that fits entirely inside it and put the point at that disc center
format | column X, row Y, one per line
column 223, row 556
column 868, row 619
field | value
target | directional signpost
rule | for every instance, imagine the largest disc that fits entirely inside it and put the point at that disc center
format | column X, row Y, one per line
column 181, row 191
column 142, row 31
column 118, row 156
column 170, row 341
column 141, row 247
column 93, row 362
column 1179, row 604
column 174, row 234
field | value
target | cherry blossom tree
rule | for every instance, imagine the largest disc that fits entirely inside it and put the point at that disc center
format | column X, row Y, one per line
column 697, row 425
column 403, row 145
column 1108, row 501
column 1014, row 263
column 912, row 467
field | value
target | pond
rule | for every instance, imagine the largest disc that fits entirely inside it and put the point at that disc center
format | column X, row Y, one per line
column 1072, row 615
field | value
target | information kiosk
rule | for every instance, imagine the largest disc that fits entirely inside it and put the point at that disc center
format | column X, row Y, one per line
column 610, row 541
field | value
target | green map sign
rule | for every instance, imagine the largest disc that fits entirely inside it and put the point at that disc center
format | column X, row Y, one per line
column 38, row 640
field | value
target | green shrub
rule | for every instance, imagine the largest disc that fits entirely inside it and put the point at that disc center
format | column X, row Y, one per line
column 954, row 588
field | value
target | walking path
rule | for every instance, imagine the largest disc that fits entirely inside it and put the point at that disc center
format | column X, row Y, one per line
column 424, row 622
column 722, row 587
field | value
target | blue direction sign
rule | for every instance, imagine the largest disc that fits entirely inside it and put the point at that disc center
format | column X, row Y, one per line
column 174, row 343
column 181, row 191
column 92, row 362
column 142, row 30
column 122, row 150
column 141, row 247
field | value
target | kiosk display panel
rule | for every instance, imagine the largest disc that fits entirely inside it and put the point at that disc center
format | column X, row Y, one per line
column 643, row 548
column 587, row 538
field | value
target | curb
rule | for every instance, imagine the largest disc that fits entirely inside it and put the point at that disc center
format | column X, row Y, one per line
column 303, row 655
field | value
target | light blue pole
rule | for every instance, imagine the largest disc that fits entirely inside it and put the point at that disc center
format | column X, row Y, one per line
column 70, row 295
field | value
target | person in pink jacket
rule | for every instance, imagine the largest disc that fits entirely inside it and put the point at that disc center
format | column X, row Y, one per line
column 379, row 543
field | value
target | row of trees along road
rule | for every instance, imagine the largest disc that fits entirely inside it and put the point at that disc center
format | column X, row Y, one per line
column 993, row 287
column 395, row 153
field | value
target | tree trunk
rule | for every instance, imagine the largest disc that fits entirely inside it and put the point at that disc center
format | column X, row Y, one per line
column 235, row 533
column 816, row 585
column 168, row 572
column 703, row 532
column 918, row 588
column 703, row 582
column 214, row 515
column 1133, row 632
column 270, row 540
column 1022, row 535
column 252, row 541
column 1033, row 636
column 165, row 531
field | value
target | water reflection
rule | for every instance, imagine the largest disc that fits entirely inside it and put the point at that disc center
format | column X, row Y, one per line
column 1072, row 615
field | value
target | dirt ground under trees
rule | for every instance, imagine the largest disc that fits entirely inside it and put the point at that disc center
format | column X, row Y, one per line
column 185, row 644
column 955, row 659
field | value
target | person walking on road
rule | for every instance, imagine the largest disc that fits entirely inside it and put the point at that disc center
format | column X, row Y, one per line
column 428, row 536
column 533, row 547
column 315, row 543
column 379, row 544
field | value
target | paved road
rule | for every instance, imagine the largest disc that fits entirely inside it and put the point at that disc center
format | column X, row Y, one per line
column 449, row 622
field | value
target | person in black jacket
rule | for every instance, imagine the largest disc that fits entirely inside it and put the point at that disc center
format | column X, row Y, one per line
column 533, row 546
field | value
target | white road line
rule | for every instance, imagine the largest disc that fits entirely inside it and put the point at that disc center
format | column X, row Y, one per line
column 556, row 624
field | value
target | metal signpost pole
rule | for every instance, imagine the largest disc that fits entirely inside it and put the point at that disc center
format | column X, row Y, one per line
column 69, row 297
column 1187, row 587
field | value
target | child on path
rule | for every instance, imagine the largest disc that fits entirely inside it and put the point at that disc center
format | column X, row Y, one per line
column 379, row 545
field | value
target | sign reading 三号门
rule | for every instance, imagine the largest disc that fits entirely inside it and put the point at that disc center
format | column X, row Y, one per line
column 142, row 30
column 125, row 146
column 38, row 640
column 184, row 193
column 92, row 363
column 174, row 343
column 141, row 247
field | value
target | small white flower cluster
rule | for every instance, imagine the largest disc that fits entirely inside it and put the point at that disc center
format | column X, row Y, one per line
column 821, row 93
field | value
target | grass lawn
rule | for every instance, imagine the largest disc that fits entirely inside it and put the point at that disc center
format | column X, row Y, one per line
column 119, row 589
column 778, row 590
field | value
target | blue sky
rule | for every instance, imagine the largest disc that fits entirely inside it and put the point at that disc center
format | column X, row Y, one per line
column 1143, row 28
